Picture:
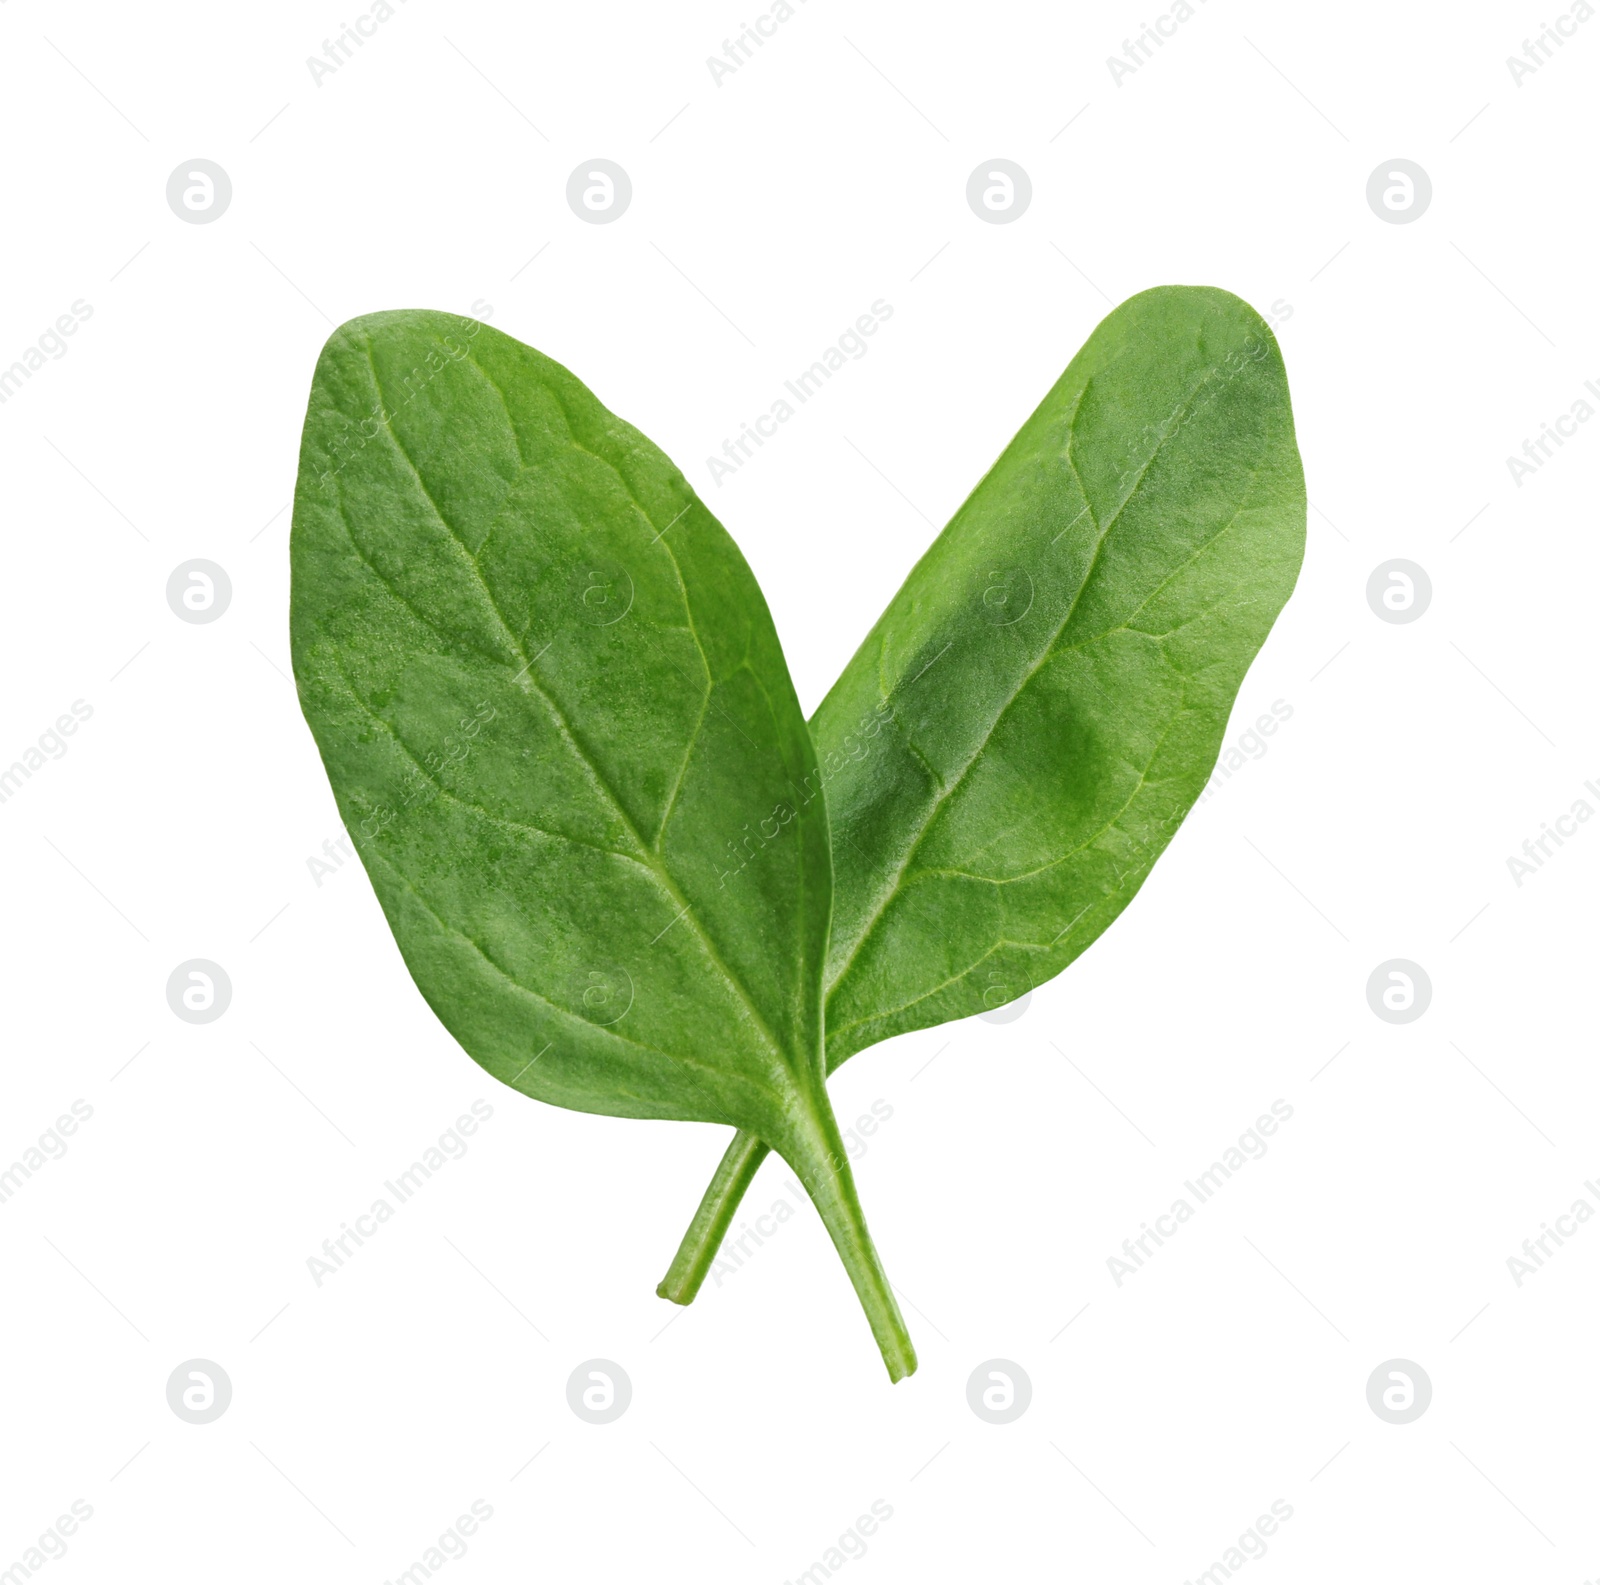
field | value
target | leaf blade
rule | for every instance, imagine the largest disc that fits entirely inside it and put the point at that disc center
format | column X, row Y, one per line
column 1059, row 667
column 463, row 501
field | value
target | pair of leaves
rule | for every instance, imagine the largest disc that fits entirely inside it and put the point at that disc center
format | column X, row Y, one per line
column 558, row 724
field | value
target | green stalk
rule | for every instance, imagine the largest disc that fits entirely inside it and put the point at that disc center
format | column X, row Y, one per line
column 711, row 1222
column 816, row 1153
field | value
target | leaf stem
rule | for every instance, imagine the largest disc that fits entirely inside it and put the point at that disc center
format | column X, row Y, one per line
column 817, row 1154
column 711, row 1222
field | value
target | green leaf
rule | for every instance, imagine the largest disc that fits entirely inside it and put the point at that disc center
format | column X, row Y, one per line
column 1020, row 735
column 559, row 727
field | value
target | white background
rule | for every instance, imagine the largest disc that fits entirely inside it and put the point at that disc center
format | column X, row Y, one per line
column 768, row 213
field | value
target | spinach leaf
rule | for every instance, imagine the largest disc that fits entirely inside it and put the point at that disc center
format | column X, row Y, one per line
column 558, row 724
column 1022, row 732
